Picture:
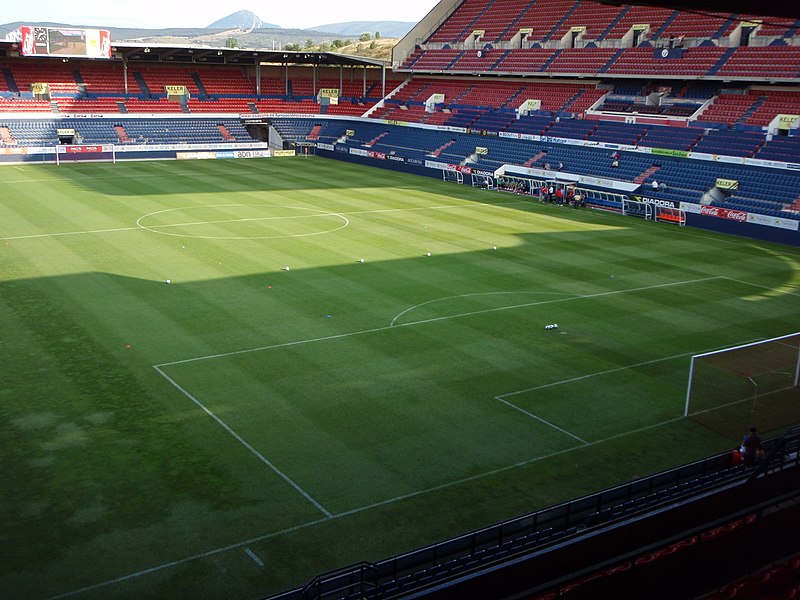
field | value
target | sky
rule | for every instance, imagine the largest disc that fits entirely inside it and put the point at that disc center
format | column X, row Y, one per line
column 157, row 14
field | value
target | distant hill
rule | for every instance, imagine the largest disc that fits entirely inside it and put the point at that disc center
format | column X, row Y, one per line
column 389, row 29
column 264, row 37
column 244, row 20
column 257, row 38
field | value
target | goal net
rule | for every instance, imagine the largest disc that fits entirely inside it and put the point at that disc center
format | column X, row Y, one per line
column 754, row 385
column 79, row 153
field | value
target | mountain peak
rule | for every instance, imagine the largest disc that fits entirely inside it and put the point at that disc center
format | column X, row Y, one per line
column 244, row 20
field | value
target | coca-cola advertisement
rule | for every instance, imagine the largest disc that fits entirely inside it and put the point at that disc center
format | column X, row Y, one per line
column 724, row 213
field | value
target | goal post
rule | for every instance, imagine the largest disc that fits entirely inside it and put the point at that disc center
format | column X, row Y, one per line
column 756, row 384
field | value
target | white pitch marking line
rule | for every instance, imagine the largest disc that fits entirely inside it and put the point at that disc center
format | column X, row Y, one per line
column 318, row 213
column 272, row 347
column 571, row 298
column 413, row 308
column 607, row 372
column 44, row 235
column 432, row 320
column 590, row 375
column 246, row 444
column 187, row 559
column 354, row 511
column 321, row 214
column 242, row 220
column 499, row 470
column 541, row 420
column 255, row 557
column 763, row 287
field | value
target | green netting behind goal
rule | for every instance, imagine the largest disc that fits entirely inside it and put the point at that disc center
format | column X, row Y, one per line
column 737, row 388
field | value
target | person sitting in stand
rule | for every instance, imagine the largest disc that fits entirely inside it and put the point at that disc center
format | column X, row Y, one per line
column 737, row 458
column 654, row 185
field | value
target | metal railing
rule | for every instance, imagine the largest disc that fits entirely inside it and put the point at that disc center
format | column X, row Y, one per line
column 542, row 528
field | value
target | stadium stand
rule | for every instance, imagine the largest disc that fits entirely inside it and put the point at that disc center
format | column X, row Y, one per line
column 58, row 75
column 778, row 61
column 102, row 79
column 24, row 105
column 553, row 553
column 714, row 101
column 568, row 38
column 694, row 62
column 781, row 148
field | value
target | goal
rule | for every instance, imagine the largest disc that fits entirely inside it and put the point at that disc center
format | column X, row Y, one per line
column 79, row 153
column 745, row 386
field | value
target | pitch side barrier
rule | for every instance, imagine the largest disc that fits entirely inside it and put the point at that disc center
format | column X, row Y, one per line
column 559, row 543
column 616, row 196
column 753, row 225
column 63, row 154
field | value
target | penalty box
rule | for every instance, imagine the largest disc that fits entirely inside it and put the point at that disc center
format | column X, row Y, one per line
column 364, row 418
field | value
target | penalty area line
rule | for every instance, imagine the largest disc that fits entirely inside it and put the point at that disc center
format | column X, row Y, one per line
column 510, row 467
column 339, row 336
column 361, row 509
column 246, row 444
column 560, row 300
column 541, row 420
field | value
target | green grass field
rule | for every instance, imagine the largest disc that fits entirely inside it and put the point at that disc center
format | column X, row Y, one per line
column 235, row 432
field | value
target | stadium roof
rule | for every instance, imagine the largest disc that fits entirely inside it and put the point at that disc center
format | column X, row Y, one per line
column 744, row 7
column 168, row 53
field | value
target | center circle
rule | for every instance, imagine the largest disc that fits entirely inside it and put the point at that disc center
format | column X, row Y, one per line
column 242, row 222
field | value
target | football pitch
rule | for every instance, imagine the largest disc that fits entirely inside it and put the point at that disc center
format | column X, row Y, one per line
column 220, row 378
